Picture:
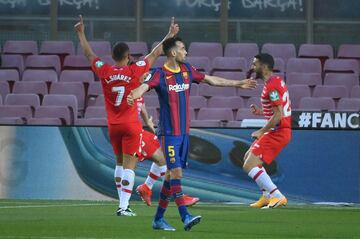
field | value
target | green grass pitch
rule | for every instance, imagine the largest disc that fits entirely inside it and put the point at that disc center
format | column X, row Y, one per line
column 89, row 220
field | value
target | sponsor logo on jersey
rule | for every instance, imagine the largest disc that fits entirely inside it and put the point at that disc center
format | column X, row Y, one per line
column 179, row 87
column 118, row 77
column 99, row 64
column 274, row 95
column 141, row 63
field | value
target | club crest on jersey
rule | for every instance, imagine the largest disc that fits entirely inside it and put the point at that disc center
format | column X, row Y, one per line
column 141, row 63
column 274, row 95
column 179, row 87
column 99, row 64
column 185, row 75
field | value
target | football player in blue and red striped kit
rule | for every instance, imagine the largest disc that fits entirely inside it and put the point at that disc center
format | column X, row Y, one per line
column 172, row 83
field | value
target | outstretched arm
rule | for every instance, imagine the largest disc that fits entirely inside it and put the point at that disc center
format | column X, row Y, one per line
column 219, row 81
column 157, row 51
column 80, row 29
column 137, row 93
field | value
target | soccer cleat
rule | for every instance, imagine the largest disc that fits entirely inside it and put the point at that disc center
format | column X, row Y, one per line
column 190, row 201
column 127, row 213
column 191, row 221
column 262, row 202
column 161, row 224
column 145, row 193
column 277, row 202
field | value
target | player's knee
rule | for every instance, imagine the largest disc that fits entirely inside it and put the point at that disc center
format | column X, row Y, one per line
column 125, row 182
column 176, row 173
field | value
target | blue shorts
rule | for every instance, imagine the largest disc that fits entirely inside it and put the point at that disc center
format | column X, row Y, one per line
column 176, row 150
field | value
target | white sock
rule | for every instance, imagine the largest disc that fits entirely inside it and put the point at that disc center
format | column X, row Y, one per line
column 265, row 193
column 263, row 180
column 126, row 190
column 118, row 173
column 155, row 173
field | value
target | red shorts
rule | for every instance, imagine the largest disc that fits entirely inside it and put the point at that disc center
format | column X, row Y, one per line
column 126, row 138
column 270, row 144
column 150, row 144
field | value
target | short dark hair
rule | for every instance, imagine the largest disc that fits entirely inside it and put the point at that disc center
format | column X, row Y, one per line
column 119, row 51
column 170, row 43
column 266, row 59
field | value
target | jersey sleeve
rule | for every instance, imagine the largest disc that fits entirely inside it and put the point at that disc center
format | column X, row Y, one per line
column 140, row 68
column 100, row 68
column 275, row 94
column 153, row 79
column 197, row 76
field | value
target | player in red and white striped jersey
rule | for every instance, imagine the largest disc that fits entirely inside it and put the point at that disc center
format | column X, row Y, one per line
column 274, row 136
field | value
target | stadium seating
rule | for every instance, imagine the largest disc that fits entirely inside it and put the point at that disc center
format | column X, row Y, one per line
column 22, row 87
column 76, row 63
column 296, row 92
column 246, row 50
column 300, row 65
column 45, row 91
column 9, row 75
column 233, row 103
column 69, row 101
column 349, row 104
column 347, row 80
column 333, row 91
column 31, row 100
column 77, row 76
column 341, row 66
column 310, row 79
column 21, row 47
column 207, row 49
column 43, row 62
column 13, row 62
column 228, row 64
column 138, row 49
column 54, row 114
column 100, row 48
column 70, row 88
column 320, row 51
column 283, row 51
column 201, row 63
column 4, row 89
column 40, row 75
column 196, row 102
column 348, row 51
column 317, row 104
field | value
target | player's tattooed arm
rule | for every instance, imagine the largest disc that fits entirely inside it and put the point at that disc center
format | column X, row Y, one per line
column 274, row 120
column 219, row 81
column 137, row 93
column 157, row 51
column 147, row 119
column 80, row 29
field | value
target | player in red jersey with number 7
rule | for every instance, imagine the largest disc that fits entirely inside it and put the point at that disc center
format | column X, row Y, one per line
column 273, row 137
column 125, row 128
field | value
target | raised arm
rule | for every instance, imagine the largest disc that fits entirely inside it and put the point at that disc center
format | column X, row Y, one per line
column 157, row 51
column 80, row 29
column 219, row 81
